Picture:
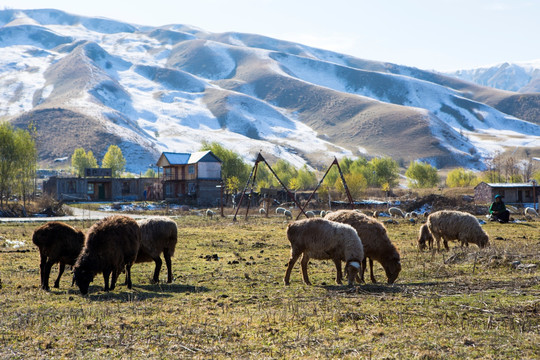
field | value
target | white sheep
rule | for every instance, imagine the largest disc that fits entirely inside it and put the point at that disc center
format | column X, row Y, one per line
column 323, row 239
column 529, row 211
column 323, row 213
column 210, row 213
column 280, row 210
column 287, row 214
column 375, row 240
column 262, row 211
column 395, row 212
column 456, row 225
column 310, row 214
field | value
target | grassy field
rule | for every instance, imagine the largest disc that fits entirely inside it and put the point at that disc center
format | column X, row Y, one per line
column 228, row 301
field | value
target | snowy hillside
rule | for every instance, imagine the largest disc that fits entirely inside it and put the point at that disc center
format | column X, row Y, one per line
column 522, row 77
column 92, row 82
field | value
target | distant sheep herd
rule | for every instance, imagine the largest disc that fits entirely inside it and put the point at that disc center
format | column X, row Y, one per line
column 114, row 244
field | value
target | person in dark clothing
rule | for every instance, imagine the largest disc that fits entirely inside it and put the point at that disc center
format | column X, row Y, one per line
column 498, row 210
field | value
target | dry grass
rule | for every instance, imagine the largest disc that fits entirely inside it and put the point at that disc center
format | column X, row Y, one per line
column 228, row 301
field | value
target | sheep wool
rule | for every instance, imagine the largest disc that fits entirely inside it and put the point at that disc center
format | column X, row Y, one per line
column 322, row 239
column 375, row 240
column 456, row 225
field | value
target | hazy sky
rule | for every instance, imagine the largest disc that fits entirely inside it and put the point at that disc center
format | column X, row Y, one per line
column 428, row 34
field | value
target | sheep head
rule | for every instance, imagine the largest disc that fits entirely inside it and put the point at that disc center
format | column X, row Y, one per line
column 392, row 269
column 82, row 278
column 352, row 268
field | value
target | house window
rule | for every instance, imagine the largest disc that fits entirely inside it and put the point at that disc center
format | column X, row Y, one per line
column 191, row 169
column 168, row 190
column 90, row 188
column 167, row 172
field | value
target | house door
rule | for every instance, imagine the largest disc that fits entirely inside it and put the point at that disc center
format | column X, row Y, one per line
column 101, row 191
column 520, row 196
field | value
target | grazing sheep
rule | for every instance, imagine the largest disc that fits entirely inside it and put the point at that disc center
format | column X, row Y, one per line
column 210, row 213
column 158, row 235
column 58, row 243
column 529, row 211
column 111, row 246
column 280, row 210
column 310, row 214
column 395, row 212
column 424, row 237
column 323, row 239
column 456, row 225
column 375, row 240
column 287, row 214
column 323, row 213
column 262, row 211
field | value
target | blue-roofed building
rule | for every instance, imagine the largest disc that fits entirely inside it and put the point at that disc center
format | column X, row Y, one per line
column 513, row 193
column 191, row 178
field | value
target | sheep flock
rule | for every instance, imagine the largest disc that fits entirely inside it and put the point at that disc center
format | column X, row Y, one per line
column 115, row 244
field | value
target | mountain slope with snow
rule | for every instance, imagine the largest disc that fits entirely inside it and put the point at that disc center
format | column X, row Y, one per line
column 94, row 82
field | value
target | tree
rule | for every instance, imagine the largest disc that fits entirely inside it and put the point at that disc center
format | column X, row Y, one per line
column 27, row 163
column 356, row 183
column 81, row 160
column 232, row 184
column 461, row 177
column 114, row 160
column 422, row 175
column 150, row 173
column 18, row 161
column 386, row 171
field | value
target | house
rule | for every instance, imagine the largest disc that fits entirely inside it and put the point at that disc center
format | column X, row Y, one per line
column 98, row 185
column 191, row 178
column 514, row 193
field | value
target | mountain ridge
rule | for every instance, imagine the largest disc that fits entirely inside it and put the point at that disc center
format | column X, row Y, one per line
column 173, row 87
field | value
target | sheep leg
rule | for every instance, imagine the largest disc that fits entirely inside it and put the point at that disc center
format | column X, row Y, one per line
column 61, row 269
column 373, row 280
column 292, row 261
column 128, row 276
column 339, row 272
column 158, row 262
column 106, row 274
column 304, row 262
column 114, row 277
column 445, row 243
column 46, row 273
column 42, row 270
column 167, row 257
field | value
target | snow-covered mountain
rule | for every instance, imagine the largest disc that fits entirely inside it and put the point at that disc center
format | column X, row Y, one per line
column 93, row 82
column 523, row 77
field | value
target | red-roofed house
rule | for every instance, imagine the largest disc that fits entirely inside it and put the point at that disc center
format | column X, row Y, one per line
column 191, row 178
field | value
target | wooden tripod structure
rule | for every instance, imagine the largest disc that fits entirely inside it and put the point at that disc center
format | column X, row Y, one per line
column 335, row 162
column 251, row 179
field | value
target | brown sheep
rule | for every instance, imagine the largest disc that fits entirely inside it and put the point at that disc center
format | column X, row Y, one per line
column 111, row 246
column 424, row 237
column 58, row 243
column 377, row 244
column 456, row 225
column 158, row 235
column 322, row 239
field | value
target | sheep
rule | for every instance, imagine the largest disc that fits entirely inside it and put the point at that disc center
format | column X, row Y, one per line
column 210, row 213
column 424, row 237
column 287, row 214
column 58, row 243
column 323, row 239
column 310, row 214
column 262, row 211
column 323, row 213
column 530, row 212
column 280, row 210
column 111, row 245
column 158, row 235
column 395, row 212
column 456, row 225
column 376, row 243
